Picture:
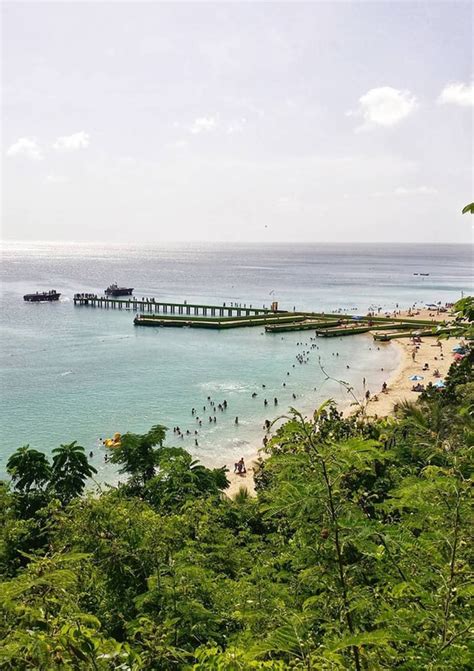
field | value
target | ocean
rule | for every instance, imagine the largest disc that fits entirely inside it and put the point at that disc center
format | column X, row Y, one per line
column 80, row 373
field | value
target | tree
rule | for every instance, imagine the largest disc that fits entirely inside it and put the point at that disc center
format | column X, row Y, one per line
column 180, row 479
column 327, row 504
column 137, row 454
column 29, row 469
column 30, row 472
column 468, row 208
column 70, row 471
column 42, row 625
column 464, row 308
column 464, row 323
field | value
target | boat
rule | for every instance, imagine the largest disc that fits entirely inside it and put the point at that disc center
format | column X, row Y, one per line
column 41, row 297
column 116, row 441
column 115, row 290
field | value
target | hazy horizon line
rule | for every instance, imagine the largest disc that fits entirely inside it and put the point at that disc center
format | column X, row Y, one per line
column 146, row 243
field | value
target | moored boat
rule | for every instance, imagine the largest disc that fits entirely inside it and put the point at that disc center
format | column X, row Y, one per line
column 41, row 297
column 115, row 290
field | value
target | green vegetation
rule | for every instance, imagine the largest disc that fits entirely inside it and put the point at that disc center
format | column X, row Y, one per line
column 354, row 554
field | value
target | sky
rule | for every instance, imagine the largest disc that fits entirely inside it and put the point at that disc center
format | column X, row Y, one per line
column 311, row 122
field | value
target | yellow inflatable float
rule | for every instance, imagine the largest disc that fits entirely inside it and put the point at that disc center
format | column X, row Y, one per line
column 113, row 442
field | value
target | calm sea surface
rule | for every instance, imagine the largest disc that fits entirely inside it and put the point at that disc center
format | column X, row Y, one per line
column 79, row 373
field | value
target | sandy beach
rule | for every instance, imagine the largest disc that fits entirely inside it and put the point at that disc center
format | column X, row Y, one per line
column 238, row 482
column 399, row 385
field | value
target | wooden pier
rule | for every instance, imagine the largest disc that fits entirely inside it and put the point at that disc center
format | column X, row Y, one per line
column 155, row 306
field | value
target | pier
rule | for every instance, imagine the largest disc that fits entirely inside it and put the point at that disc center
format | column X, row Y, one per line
column 155, row 306
column 216, row 323
column 152, row 312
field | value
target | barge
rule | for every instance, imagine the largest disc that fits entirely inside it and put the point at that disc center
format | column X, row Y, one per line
column 42, row 297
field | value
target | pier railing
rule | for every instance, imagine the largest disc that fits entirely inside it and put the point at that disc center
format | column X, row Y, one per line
column 155, row 306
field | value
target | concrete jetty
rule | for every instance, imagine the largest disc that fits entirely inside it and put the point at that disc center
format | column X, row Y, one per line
column 152, row 312
column 214, row 323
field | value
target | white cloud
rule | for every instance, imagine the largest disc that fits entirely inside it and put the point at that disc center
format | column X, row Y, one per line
column 55, row 179
column 203, row 124
column 72, row 142
column 236, row 126
column 458, row 93
column 406, row 191
column 384, row 106
column 27, row 147
column 414, row 191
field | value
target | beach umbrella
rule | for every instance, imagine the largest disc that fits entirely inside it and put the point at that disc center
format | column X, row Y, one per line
column 459, row 348
column 458, row 357
column 416, row 378
column 439, row 384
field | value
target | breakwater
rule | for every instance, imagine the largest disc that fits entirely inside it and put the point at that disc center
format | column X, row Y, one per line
column 216, row 323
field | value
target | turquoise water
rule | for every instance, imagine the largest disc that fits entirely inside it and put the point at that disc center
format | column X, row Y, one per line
column 79, row 373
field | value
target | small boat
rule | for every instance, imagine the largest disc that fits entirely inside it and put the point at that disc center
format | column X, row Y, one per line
column 424, row 274
column 116, row 441
column 115, row 290
column 42, row 297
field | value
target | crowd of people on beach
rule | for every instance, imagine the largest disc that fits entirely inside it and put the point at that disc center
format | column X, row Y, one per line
column 433, row 310
column 416, row 341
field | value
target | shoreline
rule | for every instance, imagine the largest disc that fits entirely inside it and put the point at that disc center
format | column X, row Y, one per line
column 399, row 388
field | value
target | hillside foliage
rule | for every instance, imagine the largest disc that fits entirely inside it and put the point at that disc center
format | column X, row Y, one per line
column 355, row 553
